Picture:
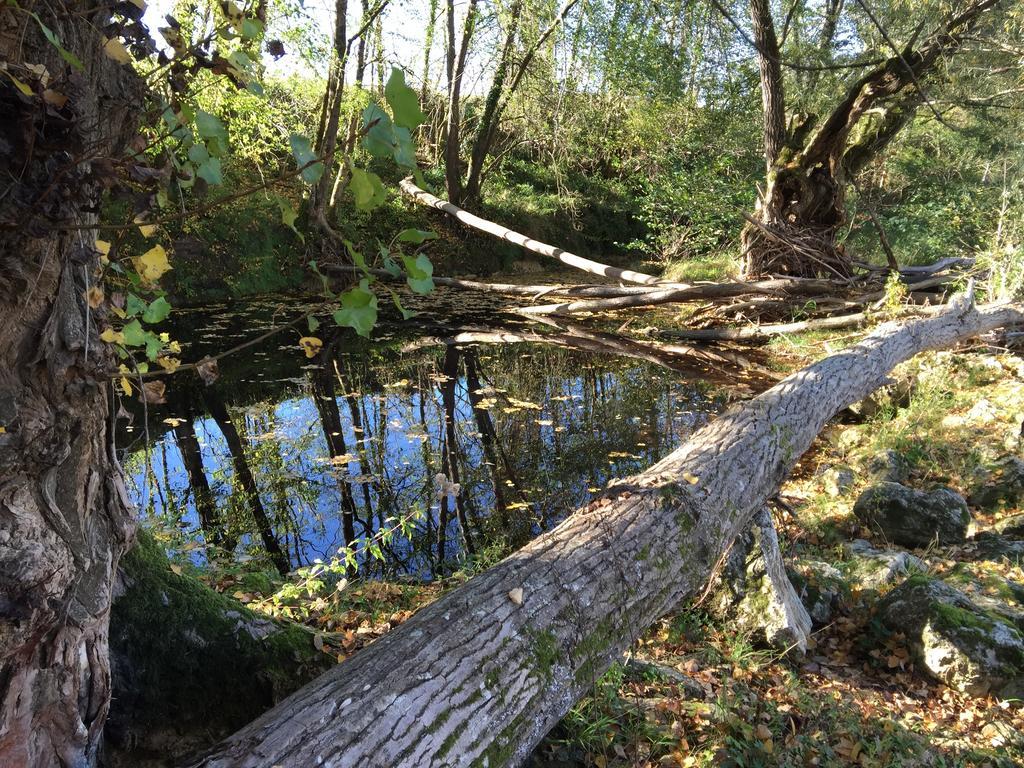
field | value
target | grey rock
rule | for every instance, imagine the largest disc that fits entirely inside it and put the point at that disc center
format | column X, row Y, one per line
column 887, row 466
column 1002, row 484
column 837, row 481
column 870, row 568
column 1012, row 526
column 913, row 518
column 953, row 639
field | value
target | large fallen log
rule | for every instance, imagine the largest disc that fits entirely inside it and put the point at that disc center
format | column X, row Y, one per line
column 483, row 225
column 482, row 674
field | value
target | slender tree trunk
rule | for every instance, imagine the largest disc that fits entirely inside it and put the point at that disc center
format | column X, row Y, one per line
column 330, row 116
column 794, row 229
column 773, row 100
column 536, row 631
column 245, row 479
column 498, row 95
column 65, row 520
column 457, row 70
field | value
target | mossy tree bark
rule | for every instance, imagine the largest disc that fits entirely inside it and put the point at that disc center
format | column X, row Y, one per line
column 64, row 516
column 794, row 229
column 589, row 588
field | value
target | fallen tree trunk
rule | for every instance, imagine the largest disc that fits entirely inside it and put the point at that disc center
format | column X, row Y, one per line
column 592, row 290
column 776, row 287
column 482, row 674
column 543, row 249
column 759, row 332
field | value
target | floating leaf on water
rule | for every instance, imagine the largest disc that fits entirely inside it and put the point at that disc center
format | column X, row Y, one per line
column 311, row 345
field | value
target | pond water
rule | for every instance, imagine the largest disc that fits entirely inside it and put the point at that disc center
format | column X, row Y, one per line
column 456, row 434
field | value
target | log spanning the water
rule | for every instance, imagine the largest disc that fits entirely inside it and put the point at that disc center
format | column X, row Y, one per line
column 483, row 225
column 481, row 675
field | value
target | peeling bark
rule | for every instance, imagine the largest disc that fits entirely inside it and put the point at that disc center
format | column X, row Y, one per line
column 589, row 588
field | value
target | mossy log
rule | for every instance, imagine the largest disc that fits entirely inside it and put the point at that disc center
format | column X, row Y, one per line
column 480, row 676
column 189, row 665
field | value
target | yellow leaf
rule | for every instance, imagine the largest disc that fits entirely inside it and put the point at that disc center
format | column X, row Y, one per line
column 116, row 50
column 146, row 230
column 152, row 264
column 311, row 344
column 20, row 85
column 169, row 364
column 176, row 568
column 690, row 478
column 126, row 386
column 111, row 336
column 95, row 297
column 104, row 248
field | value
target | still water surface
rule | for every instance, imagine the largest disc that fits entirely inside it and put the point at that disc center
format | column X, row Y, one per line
column 462, row 436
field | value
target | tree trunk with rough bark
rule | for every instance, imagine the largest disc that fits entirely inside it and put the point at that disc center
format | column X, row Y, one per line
column 533, row 633
column 64, row 516
column 794, row 229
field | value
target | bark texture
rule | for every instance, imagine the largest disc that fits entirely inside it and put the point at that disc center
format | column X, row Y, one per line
column 795, row 227
column 64, row 515
column 589, row 588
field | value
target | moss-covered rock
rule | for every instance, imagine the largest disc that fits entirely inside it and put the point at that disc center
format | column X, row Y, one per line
column 868, row 568
column 1012, row 526
column 913, row 518
column 953, row 639
column 189, row 665
column 1002, row 484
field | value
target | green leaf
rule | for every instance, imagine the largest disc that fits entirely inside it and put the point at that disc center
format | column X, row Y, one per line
column 157, row 311
column 134, row 305
column 65, row 54
column 358, row 309
column 289, row 215
column 404, row 150
column 313, row 324
column 390, row 265
column 134, row 335
column 379, row 140
column 367, row 189
column 402, row 99
column 357, row 258
column 251, row 28
column 415, row 236
column 419, row 273
column 210, row 171
column 406, row 313
column 210, row 126
column 303, row 153
column 153, row 345
column 197, row 154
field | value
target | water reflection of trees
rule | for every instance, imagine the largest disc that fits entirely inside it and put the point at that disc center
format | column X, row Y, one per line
column 371, row 435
